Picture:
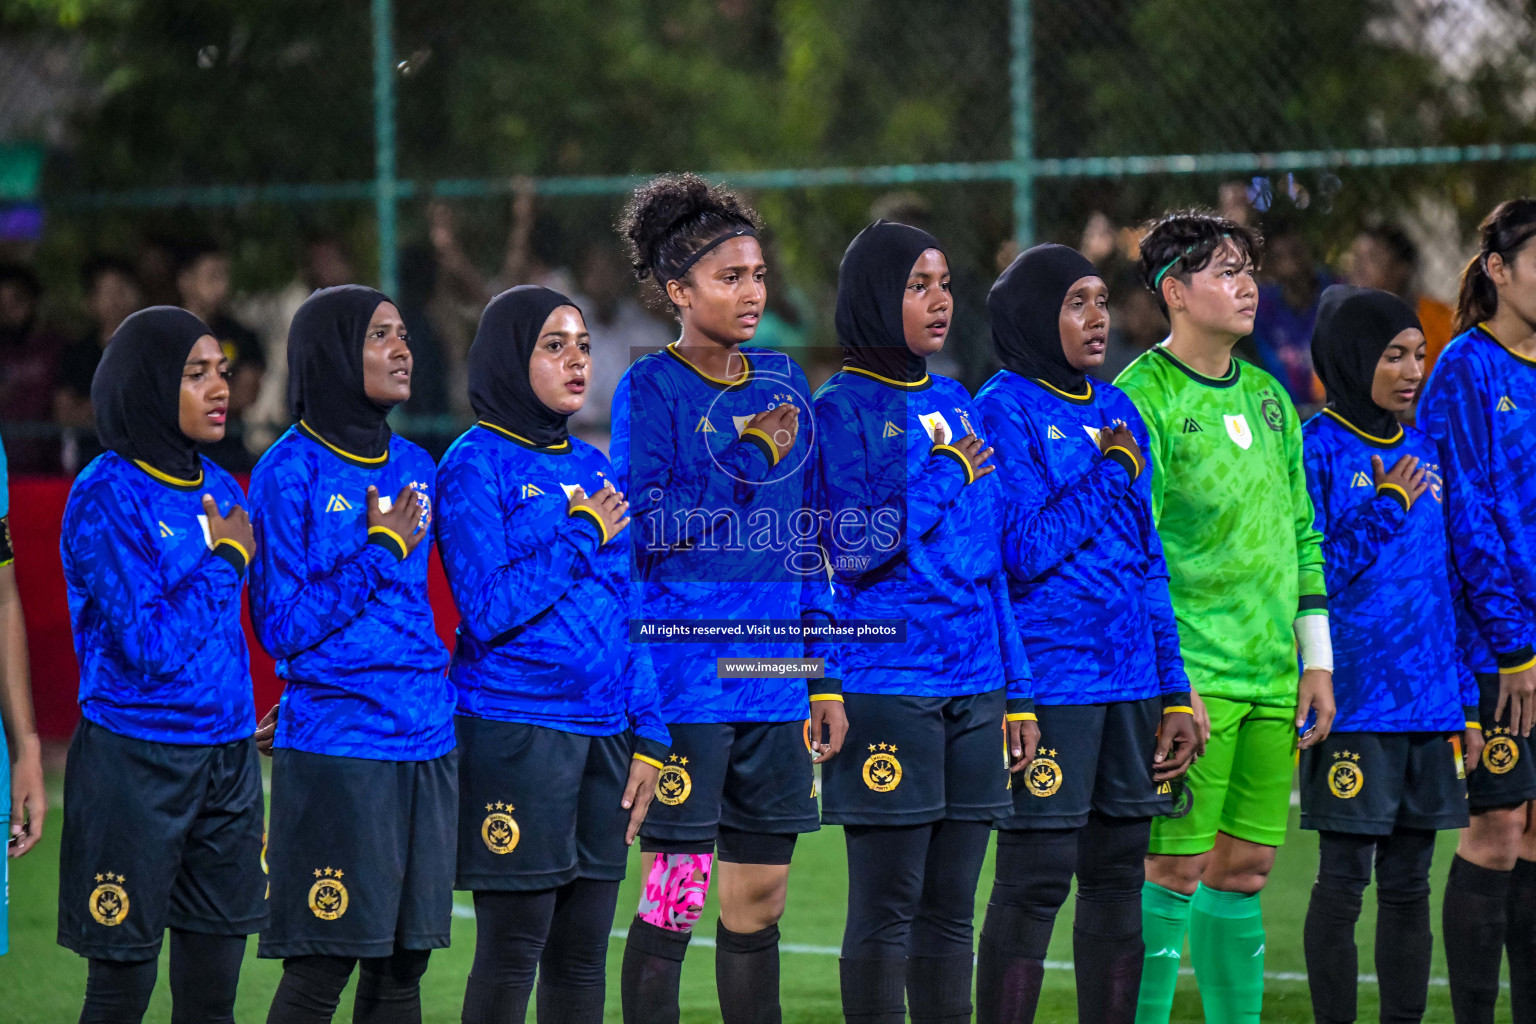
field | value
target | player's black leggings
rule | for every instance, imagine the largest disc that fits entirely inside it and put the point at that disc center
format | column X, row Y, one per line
column 1033, row 876
column 911, row 900
column 205, row 972
column 388, row 988
column 559, row 934
column 1403, row 941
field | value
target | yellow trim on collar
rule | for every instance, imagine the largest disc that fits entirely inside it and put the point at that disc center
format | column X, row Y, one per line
column 376, row 460
column 1369, row 437
column 887, row 380
column 166, row 478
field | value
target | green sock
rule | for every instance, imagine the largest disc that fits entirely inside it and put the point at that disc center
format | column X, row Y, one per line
column 1164, row 919
column 1226, row 943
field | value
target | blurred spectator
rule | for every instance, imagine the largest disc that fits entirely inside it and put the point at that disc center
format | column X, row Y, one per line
column 618, row 325
column 1100, row 239
column 28, row 362
column 202, row 284
column 155, row 265
column 1233, row 202
column 1385, row 257
column 418, row 282
column 1282, row 332
column 112, row 292
column 531, row 248
column 323, row 263
column 1136, row 324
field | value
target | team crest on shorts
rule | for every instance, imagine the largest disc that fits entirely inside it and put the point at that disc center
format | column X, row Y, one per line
column 1043, row 776
column 882, row 772
column 109, row 900
column 1183, row 800
column 328, row 897
column 674, row 783
column 1500, row 755
column 1345, row 778
column 499, row 830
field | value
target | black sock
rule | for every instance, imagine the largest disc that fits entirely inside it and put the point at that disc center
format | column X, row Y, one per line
column 652, row 972
column 511, row 929
column 874, row 989
column 1404, row 942
column 747, row 975
column 1033, row 874
column 1520, row 940
column 205, row 972
column 118, row 991
column 939, row 989
column 1328, row 937
column 1473, row 922
column 310, row 989
column 389, row 988
column 940, row 961
column 1106, row 935
column 573, row 969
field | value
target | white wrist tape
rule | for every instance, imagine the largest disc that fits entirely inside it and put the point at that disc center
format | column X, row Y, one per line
column 1314, row 642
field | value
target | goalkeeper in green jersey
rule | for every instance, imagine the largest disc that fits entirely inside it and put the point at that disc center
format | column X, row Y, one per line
column 1245, row 571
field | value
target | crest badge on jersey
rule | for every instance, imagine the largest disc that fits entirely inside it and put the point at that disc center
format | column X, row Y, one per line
column 674, row 784
column 932, row 422
column 882, row 772
column 1239, row 431
column 499, row 831
column 1043, row 776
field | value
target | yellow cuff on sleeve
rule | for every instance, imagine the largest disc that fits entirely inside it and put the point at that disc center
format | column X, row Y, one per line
column 648, row 760
column 1178, row 709
column 1026, row 716
column 827, row 696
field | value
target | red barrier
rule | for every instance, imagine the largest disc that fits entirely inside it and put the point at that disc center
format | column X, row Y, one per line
column 37, row 509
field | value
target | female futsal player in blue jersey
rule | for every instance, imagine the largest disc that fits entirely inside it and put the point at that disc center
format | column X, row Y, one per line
column 1478, row 405
column 560, row 739
column 712, row 448
column 364, row 780
column 914, row 518
column 162, row 791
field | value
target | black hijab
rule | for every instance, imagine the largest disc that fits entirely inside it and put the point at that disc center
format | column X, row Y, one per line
column 1025, row 307
column 137, row 391
column 1352, row 330
column 325, row 370
column 871, row 283
column 499, row 389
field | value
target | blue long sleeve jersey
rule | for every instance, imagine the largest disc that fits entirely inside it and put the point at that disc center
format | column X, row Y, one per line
column 1086, row 574
column 1480, row 405
column 722, row 528
column 155, row 605
column 347, row 619
column 1391, row 593
column 913, row 535
column 543, row 596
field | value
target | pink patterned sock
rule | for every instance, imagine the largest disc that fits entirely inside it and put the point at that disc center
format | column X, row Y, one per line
column 674, row 892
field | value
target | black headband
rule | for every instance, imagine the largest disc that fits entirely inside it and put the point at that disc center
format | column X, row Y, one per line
column 677, row 275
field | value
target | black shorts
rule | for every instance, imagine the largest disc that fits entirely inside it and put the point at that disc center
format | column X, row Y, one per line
column 156, row 836
column 914, row 760
column 1369, row 783
column 752, row 777
column 361, row 854
column 1092, row 757
column 538, row 807
column 1507, row 774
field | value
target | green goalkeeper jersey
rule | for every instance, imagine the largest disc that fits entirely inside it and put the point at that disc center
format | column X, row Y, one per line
column 1229, row 495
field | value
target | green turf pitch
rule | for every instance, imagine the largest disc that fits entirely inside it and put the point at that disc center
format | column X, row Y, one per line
column 40, row 983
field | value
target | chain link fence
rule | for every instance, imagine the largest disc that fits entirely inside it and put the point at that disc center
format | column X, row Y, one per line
column 515, row 131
